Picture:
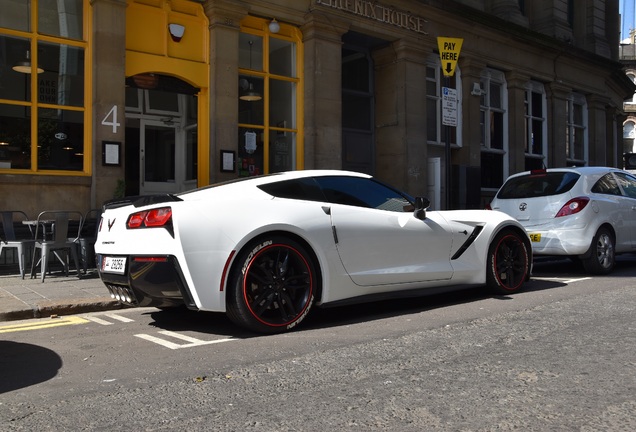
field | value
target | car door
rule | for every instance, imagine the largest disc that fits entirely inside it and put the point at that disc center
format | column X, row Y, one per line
column 628, row 205
column 379, row 239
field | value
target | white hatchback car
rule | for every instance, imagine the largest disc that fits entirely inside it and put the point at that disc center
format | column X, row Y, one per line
column 587, row 213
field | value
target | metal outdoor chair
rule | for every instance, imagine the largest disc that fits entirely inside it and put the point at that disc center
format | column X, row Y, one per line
column 53, row 236
column 12, row 238
column 87, row 238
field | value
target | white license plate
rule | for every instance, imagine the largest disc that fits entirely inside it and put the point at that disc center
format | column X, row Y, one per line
column 114, row 265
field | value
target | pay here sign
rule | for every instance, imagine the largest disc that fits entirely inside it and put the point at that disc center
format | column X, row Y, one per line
column 449, row 49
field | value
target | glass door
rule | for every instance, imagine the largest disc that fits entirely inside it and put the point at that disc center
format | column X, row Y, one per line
column 161, row 151
column 161, row 164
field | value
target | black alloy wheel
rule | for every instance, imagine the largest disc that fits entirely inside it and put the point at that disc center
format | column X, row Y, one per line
column 272, row 287
column 508, row 263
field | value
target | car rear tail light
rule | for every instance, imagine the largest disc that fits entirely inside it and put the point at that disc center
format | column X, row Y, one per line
column 159, row 217
column 538, row 172
column 488, row 207
column 573, row 206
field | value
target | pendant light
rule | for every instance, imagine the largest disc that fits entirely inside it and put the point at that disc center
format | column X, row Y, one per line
column 250, row 94
column 24, row 66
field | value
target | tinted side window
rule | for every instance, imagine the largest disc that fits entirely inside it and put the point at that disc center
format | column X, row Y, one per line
column 606, row 185
column 628, row 183
column 538, row 185
column 300, row 189
column 362, row 192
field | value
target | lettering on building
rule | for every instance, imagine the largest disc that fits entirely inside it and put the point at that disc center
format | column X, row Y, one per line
column 47, row 90
column 378, row 12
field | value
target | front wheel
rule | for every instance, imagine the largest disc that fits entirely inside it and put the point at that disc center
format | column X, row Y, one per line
column 272, row 286
column 601, row 256
column 508, row 263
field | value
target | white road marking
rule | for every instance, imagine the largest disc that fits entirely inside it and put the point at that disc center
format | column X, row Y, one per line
column 98, row 320
column 120, row 318
column 564, row 280
column 172, row 345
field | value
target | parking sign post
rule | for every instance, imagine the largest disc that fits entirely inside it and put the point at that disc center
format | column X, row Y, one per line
column 449, row 49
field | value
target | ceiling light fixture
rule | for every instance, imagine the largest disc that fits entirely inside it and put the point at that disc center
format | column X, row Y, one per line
column 274, row 27
column 250, row 94
column 24, row 66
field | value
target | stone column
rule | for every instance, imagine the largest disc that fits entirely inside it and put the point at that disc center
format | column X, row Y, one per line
column 322, row 39
column 400, row 114
column 109, row 98
column 508, row 10
column 466, row 161
column 598, row 145
column 517, row 133
column 470, row 152
column 225, row 18
column 557, row 125
column 590, row 27
column 550, row 18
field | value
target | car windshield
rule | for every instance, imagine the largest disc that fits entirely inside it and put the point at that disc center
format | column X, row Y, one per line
column 538, row 185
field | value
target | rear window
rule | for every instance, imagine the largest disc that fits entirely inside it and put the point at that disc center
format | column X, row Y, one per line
column 299, row 189
column 538, row 185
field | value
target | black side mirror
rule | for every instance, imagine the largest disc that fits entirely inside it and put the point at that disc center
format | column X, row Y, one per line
column 421, row 204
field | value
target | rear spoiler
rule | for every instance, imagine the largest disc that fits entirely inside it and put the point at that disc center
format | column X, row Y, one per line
column 140, row 200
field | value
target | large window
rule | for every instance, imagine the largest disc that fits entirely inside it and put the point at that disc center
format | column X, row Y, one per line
column 269, row 91
column 43, row 118
column 494, row 130
column 629, row 133
column 576, row 131
column 535, row 144
column 632, row 77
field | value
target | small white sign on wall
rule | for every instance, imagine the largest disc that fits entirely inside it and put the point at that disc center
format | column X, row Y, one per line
column 250, row 142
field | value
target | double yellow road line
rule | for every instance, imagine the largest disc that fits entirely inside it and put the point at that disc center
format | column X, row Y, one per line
column 42, row 324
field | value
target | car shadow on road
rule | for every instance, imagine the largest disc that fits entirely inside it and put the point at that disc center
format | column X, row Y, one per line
column 181, row 319
column 549, row 273
column 365, row 312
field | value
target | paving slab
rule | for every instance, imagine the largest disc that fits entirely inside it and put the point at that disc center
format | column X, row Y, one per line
column 57, row 295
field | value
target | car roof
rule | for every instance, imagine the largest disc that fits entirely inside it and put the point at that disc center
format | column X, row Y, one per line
column 586, row 170
column 311, row 173
column 250, row 183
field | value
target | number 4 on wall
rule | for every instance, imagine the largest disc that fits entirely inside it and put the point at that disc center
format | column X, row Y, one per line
column 111, row 119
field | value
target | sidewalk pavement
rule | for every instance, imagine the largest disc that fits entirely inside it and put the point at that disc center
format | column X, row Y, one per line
column 58, row 295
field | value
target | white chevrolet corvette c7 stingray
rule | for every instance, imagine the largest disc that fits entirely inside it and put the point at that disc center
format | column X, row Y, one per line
column 266, row 249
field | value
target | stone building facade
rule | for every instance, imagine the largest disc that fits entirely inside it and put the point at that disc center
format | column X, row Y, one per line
column 135, row 97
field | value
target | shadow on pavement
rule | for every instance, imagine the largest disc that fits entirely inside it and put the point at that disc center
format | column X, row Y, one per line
column 23, row 365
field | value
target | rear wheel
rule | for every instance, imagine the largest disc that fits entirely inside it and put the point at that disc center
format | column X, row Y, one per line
column 273, row 285
column 508, row 263
column 601, row 257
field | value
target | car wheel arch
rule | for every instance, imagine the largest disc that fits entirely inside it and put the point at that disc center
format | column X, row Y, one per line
column 522, row 232
column 509, row 254
column 604, row 225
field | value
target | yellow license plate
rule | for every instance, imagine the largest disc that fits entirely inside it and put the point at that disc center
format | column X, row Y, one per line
column 535, row 237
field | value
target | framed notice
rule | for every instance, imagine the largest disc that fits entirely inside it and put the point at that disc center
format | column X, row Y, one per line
column 111, row 153
column 227, row 161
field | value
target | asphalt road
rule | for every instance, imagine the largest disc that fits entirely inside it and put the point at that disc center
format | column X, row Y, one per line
column 559, row 356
